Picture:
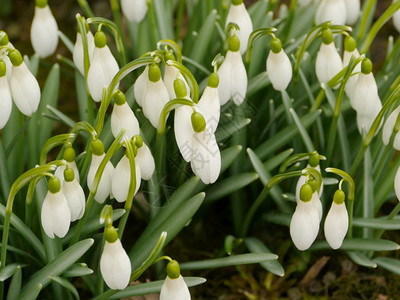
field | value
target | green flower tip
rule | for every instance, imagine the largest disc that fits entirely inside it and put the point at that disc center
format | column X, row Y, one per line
column 180, row 88
column 119, row 97
column 313, row 161
column 111, row 234
column 339, row 197
column 15, row 57
column 154, row 73
column 169, row 56
column 237, row 2
column 69, row 174
column 198, row 122
column 100, row 39
column 327, row 36
column 234, row 43
column 350, row 44
column 4, row 40
column 276, row 45
column 306, row 192
column 138, row 141
column 54, row 185
column 3, row 69
column 69, row 154
column 97, row 147
column 366, row 66
column 173, row 269
column 213, row 80
column 41, row 3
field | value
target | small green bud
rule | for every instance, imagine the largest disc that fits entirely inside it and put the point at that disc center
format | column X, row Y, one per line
column 327, row 36
column 154, row 73
column 111, row 234
column 97, row 147
column 313, row 161
column 198, row 122
column 54, row 185
column 237, row 2
column 69, row 154
column 41, row 3
column 366, row 66
column 3, row 69
column 4, row 41
column 306, row 192
column 15, row 57
column 100, row 39
column 234, row 43
column 138, row 141
column 339, row 197
column 276, row 45
column 313, row 184
column 69, row 174
column 180, row 88
column 173, row 269
column 350, row 44
column 213, row 80
column 119, row 97
column 169, row 56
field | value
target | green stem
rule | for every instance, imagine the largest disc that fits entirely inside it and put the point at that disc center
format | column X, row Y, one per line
column 54, row 142
column 86, row 8
column 171, row 105
column 179, row 19
column 369, row 6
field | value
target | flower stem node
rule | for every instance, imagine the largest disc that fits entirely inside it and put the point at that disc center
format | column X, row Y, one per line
column 100, row 39
column 180, row 88
column 350, row 43
column 15, row 57
column 213, row 80
column 366, row 66
column 69, row 174
column 111, row 234
column 276, row 45
column 4, row 40
column 154, row 73
column 327, row 36
column 306, row 192
column 97, row 147
column 237, row 2
column 69, row 154
column 173, row 269
column 234, row 43
column 198, row 122
column 41, row 3
column 339, row 197
column 54, row 185
column 119, row 98
column 3, row 69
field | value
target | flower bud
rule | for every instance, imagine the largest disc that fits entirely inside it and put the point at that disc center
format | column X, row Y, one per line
column 198, row 122
column 173, row 270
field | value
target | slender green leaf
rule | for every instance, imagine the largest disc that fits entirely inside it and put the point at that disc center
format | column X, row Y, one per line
column 66, row 284
column 368, row 192
column 32, row 63
column 258, row 166
column 8, row 271
column 303, row 132
column 230, row 243
column 361, row 259
column 277, row 160
column 226, row 130
column 61, row 116
column 360, row 244
column 229, row 155
column 67, row 42
column 78, row 270
column 381, row 223
column 388, row 263
column 32, row 293
column 4, row 179
column 15, row 285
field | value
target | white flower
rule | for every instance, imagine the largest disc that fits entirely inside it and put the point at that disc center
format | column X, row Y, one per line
column 210, row 107
column 397, row 184
column 121, row 179
column 59, row 173
column 396, row 19
column 331, row 10
column 75, row 197
column 104, row 188
column 328, row 62
column 302, row 180
column 365, row 94
column 232, row 79
column 388, row 128
column 155, row 97
column 115, row 265
column 55, row 214
column 279, row 70
column 336, row 225
column 140, row 86
column 44, row 32
column 134, row 10
column 122, row 117
column 174, row 289
column 239, row 15
column 5, row 100
column 145, row 161
column 351, row 82
column 170, row 74
column 184, row 131
column 352, row 11
column 78, row 54
column 364, row 122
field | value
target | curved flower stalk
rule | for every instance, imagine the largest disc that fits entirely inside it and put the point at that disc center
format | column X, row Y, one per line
column 102, row 69
column 331, row 10
column 350, row 50
column 232, row 75
column 44, row 30
column 24, row 87
column 279, row 69
column 352, row 11
column 5, row 96
column 121, row 179
column 170, row 74
column 337, row 221
column 174, row 287
column 122, row 117
column 69, row 157
column 134, row 10
column 145, row 161
column 74, row 194
column 209, row 103
column 78, row 54
column 388, row 128
column 238, row 14
column 55, row 214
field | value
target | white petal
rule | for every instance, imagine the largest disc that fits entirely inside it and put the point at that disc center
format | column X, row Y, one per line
column 104, row 188
column 55, row 215
column 115, row 265
column 184, row 131
column 317, row 204
column 174, row 289
column 239, row 15
column 239, row 79
column 78, row 55
column 302, row 180
column 170, row 74
column 328, row 63
column 397, row 183
column 122, row 178
column 389, row 126
column 225, row 79
column 5, row 101
column 210, row 107
column 304, row 3
column 336, row 225
column 331, row 10
column 59, row 173
column 154, row 100
column 44, row 32
column 122, row 117
column 140, row 86
column 352, row 11
column 75, row 197
column 365, row 93
column 364, row 122
column 396, row 20
column 279, row 70
column 134, row 10
column 145, row 160
column 349, row 88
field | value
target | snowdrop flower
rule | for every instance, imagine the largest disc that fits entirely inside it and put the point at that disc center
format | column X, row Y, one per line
column 134, row 10
column 388, row 128
column 24, row 87
column 174, row 287
column 304, row 225
column 69, row 156
column 122, row 117
column 55, row 215
column 170, row 74
column 209, row 103
column 279, row 69
column 121, row 179
column 352, row 11
column 397, row 184
column 331, row 10
column 102, row 69
column 140, row 86
column 145, row 160
column 238, row 14
column 5, row 96
column 349, row 51
column 74, row 195
column 364, row 122
column 44, row 30
column 78, row 54
column 232, row 75
column 104, row 188
column 115, row 265
column 396, row 19
column 328, row 62
column 337, row 221
column 4, row 42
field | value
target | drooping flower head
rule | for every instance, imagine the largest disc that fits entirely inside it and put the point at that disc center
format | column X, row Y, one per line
column 78, row 54
column 352, row 11
column 279, row 69
column 122, row 117
column 145, row 161
column 5, row 96
column 337, row 221
column 350, row 50
column 331, row 10
column 122, row 178
column 174, row 287
column 74, row 194
column 170, row 74
column 69, row 157
column 134, row 10
column 209, row 103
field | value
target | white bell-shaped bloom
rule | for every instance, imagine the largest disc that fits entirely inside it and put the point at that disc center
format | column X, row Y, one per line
column 115, row 265
column 328, row 62
column 6, row 59
column 44, row 32
column 59, row 173
column 184, row 131
column 78, row 54
column 140, row 86
column 365, row 94
column 302, row 181
column 134, row 10
column 352, row 11
column 55, row 214
column 5, row 101
column 75, row 197
column 317, row 204
column 145, row 160
column 238, row 14
column 364, row 122
column 232, row 79
column 351, row 82
column 206, row 157
column 156, row 96
column 304, row 225
column 209, row 105
column 397, row 184
column 104, row 188
column 121, row 179
column 331, row 10
column 336, row 225
column 396, row 19
column 174, row 289
column 122, row 117
column 170, row 74
column 279, row 70
column 388, row 129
